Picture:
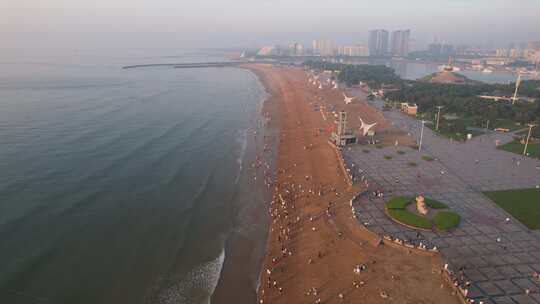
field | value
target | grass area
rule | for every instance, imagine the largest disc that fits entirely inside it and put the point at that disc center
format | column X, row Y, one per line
column 400, row 152
column 435, row 204
column 399, row 202
column 505, row 124
column 515, row 147
column 387, row 157
column 412, row 164
column 411, row 219
column 445, row 220
column 523, row 204
column 427, row 158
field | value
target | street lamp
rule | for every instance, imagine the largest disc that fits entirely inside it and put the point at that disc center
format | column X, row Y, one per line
column 421, row 135
column 438, row 116
column 528, row 136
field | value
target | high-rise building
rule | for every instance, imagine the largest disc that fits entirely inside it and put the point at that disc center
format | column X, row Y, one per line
column 400, row 43
column 441, row 50
column 534, row 45
column 515, row 53
column 296, row 49
column 268, row 50
column 435, row 49
column 378, row 42
column 501, row 53
column 323, row 48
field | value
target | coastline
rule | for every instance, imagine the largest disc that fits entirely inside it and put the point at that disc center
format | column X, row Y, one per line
column 308, row 249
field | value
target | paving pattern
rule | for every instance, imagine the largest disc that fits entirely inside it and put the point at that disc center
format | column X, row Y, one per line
column 498, row 257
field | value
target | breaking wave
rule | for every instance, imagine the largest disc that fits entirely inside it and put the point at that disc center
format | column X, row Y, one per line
column 197, row 286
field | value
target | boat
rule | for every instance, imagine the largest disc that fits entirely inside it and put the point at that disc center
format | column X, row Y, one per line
column 486, row 70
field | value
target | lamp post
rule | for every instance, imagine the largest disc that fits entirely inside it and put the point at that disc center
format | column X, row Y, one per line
column 528, row 136
column 421, row 135
column 518, row 82
column 438, row 116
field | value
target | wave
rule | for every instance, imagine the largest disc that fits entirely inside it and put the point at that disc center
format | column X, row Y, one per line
column 202, row 279
column 243, row 139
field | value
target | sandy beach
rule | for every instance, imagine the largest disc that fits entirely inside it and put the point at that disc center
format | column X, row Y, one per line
column 314, row 243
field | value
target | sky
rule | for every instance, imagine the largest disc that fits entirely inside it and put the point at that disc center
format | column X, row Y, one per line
column 32, row 25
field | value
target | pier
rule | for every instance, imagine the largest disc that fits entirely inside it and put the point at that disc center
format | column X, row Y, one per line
column 197, row 64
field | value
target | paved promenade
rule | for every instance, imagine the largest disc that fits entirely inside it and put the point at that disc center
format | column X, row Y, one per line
column 498, row 257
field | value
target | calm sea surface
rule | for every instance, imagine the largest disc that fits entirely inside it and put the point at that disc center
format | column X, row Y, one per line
column 120, row 186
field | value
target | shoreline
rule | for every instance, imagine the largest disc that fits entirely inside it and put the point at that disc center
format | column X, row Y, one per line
column 303, row 222
column 246, row 245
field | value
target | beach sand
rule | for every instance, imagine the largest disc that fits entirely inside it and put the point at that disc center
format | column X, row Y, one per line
column 308, row 249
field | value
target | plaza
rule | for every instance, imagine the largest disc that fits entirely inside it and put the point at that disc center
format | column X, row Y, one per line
column 498, row 256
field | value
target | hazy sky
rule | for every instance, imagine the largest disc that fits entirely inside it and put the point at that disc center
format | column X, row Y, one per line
column 49, row 24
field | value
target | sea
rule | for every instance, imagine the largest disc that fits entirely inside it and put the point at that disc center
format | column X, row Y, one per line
column 130, row 185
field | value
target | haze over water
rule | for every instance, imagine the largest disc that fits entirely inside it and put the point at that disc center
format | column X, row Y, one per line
column 119, row 186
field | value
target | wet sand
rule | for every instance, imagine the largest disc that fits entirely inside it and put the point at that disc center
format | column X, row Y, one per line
column 310, row 255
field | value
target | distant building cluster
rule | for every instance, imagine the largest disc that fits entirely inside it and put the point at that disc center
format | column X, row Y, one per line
column 530, row 53
column 382, row 43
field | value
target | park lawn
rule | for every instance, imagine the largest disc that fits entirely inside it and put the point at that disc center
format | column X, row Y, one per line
column 446, row 220
column 516, row 147
column 523, row 204
column 406, row 217
column 399, row 202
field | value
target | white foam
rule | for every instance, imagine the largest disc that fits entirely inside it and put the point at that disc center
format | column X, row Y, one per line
column 243, row 139
column 202, row 279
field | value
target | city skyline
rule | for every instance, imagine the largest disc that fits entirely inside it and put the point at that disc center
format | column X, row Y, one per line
column 63, row 26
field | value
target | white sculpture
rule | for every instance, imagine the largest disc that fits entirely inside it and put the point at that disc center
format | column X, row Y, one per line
column 320, row 86
column 421, row 205
column 336, row 86
column 365, row 127
column 348, row 100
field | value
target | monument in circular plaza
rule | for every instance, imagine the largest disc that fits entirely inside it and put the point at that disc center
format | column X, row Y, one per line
column 421, row 206
column 421, row 213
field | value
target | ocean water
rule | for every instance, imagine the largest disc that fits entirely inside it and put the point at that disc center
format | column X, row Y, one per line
column 123, row 186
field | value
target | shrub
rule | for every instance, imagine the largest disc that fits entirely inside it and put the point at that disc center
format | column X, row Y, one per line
column 412, row 164
column 427, row 158
column 365, row 150
column 399, row 202
column 435, row 204
column 400, row 152
column 411, row 219
column 446, row 220
column 387, row 157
